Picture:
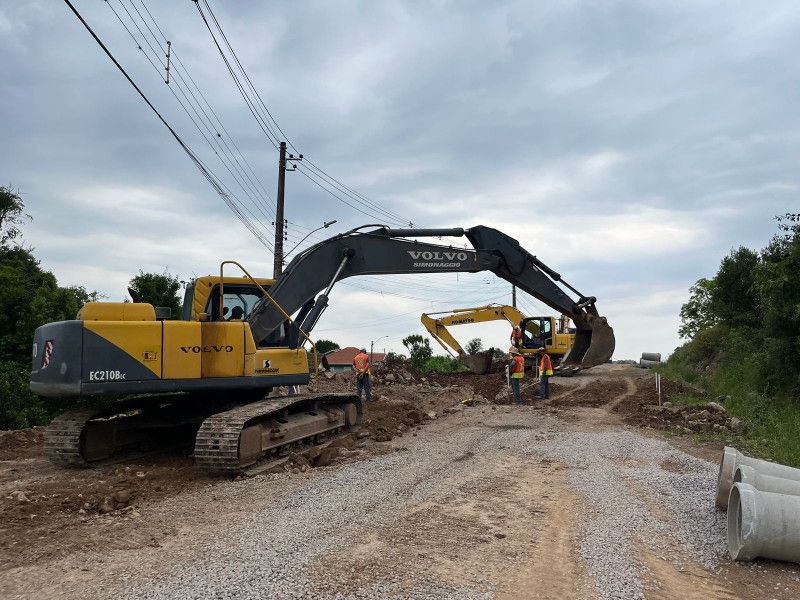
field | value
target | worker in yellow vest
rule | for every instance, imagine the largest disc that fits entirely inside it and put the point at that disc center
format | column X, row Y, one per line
column 516, row 369
column 362, row 368
column 545, row 372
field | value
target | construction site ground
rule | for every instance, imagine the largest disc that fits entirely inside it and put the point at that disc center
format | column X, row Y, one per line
column 447, row 492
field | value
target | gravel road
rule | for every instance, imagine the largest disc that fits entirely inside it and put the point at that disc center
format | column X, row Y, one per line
column 487, row 502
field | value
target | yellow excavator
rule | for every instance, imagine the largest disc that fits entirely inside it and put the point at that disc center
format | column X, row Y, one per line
column 210, row 374
column 548, row 332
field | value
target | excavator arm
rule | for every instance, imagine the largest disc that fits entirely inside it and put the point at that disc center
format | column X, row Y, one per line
column 384, row 251
column 481, row 314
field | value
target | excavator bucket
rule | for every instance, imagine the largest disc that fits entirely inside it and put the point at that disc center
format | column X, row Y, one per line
column 592, row 347
column 478, row 363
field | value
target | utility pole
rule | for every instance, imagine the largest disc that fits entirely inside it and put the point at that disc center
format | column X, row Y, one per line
column 280, row 220
column 514, row 296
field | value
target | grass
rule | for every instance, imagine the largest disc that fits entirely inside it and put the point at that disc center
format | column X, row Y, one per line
column 773, row 424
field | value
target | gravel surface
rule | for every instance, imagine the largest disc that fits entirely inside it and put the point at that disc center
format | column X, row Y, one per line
column 619, row 473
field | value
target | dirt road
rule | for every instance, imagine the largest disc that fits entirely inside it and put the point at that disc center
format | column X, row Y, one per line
column 544, row 501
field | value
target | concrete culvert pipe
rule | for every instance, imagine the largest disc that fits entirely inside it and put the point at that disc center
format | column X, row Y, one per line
column 766, row 483
column 763, row 524
column 648, row 364
column 652, row 356
column 732, row 458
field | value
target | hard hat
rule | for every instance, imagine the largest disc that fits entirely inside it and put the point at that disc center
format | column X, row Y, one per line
column 541, row 348
column 513, row 350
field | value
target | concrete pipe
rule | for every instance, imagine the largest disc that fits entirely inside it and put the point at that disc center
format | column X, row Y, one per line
column 763, row 524
column 648, row 364
column 732, row 458
column 766, row 483
column 652, row 356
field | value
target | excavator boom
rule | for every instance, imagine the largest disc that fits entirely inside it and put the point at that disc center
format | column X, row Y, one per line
column 386, row 251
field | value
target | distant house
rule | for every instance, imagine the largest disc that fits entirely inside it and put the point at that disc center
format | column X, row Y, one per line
column 342, row 360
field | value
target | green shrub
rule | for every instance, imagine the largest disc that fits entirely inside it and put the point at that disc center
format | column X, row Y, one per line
column 442, row 364
column 18, row 406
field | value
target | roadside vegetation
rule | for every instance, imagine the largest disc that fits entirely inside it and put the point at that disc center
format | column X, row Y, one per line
column 743, row 332
column 29, row 297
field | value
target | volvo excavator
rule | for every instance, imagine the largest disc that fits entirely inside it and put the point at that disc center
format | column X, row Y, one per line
column 210, row 373
column 554, row 335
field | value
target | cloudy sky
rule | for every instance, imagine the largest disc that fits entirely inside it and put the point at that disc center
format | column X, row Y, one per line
column 630, row 145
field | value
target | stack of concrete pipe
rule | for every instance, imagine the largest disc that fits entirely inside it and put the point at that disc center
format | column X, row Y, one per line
column 650, row 360
column 763, row 504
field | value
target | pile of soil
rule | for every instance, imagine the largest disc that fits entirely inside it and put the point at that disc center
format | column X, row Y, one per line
column 21, row 443
column 596, row 393
column 642, row 409
column 388, row 418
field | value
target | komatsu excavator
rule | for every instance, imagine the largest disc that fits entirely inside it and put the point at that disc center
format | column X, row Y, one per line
column 552, row 334
column 211, row 372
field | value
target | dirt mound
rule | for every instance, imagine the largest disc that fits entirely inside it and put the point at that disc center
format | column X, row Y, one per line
column 597, row 393
column 642, row 409
column 386, row 419
column 22, row 443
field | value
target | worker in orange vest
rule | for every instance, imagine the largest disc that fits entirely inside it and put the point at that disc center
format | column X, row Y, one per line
column 362, row 368
column 545, row 373
column 516, row 369
column 516, row 336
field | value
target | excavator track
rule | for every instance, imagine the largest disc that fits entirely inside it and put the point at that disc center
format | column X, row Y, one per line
column 271, row 426
column 62, row 438
column 94, row 436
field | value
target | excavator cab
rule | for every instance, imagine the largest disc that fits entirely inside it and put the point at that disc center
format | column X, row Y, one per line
column 537, row 332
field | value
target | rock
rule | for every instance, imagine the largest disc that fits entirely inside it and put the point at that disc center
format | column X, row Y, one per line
column 122, row 497
column 737, row 425
column 499, row 536
column 389, row 377
column 20, row 496
column 703, row 414
column 330, row 375
column 347, row 441
column 299, row 459
column 717, row 427
column 312, row 453
column 430, row 414
column 106, row 506
column 667, row 404
column 326, row 456
column 140, row 474
column 454, row 409
column 362, row 434
column 716, row 407
column 424, row 380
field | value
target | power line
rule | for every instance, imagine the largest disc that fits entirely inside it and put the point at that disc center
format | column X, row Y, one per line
column 233, row 167
column 269, row 126
column 204, row 170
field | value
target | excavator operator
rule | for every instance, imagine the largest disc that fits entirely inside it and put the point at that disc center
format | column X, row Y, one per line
column 362, row 368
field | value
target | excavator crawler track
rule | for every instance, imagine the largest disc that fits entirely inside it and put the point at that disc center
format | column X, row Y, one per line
column 62, row 438
column 219, row 445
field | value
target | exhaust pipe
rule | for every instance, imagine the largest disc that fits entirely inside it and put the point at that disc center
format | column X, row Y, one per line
column 763, row 524
column 732, row 458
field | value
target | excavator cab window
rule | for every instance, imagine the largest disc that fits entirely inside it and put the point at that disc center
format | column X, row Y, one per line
column 237, row 302
column 537, row 332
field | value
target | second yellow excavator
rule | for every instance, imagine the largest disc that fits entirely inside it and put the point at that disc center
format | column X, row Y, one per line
column 553, row 334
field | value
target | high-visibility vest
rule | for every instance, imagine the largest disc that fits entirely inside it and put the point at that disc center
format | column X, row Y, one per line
column 361, row 363
column 516, row 336
column 518, row 368
column 546, row 365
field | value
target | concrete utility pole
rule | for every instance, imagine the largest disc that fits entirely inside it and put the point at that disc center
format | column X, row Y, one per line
column 514, row 296
column 280, row 220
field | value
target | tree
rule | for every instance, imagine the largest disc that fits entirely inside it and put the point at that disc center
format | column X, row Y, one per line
column 325, row 346
column 697, row 314
column 474, row 346
column 419, row 349
column 734, row 298
column 11, row 215
column 158, row 289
